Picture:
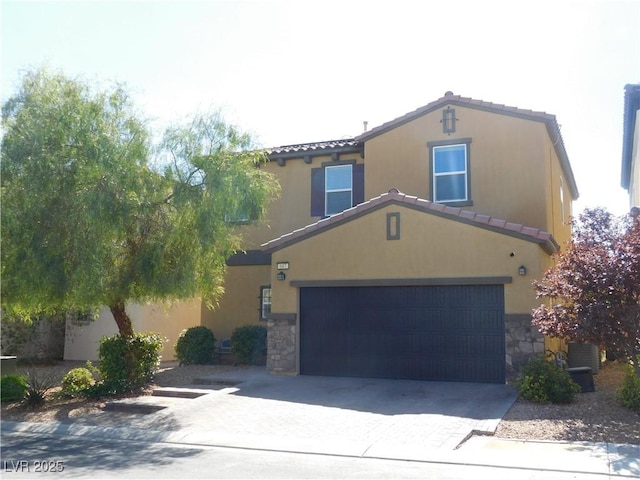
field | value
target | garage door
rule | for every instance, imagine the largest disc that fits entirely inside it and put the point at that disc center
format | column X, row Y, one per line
column 442, row 333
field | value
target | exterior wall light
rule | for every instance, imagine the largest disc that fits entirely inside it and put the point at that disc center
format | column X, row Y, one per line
column 522, row 270
column 281, row 276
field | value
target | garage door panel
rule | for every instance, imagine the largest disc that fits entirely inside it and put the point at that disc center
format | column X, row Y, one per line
column 453, row 333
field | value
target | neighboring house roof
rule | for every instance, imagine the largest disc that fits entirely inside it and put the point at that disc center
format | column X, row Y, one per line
column 544, row 239
column 631, row 106
column 356, row 144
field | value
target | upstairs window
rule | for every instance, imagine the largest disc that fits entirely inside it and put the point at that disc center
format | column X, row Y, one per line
column 450, row 173
column 336, row 187
column 338, row 182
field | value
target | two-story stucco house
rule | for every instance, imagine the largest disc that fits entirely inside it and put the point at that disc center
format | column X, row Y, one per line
column 408, row 251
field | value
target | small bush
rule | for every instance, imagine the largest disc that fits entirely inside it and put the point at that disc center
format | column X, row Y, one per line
column 100, row 390
column 249, row 344
column 128, row 364
column 195, row 345
column 77, row 381
column 38, row 384
column 541, row 381
column 13, row 388
column 629, row 392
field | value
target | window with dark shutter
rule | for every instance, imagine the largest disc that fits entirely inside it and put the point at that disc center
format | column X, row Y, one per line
column 336, row 187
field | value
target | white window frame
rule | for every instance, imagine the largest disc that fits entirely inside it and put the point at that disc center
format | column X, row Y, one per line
column 328, row 191
column 464, row 172
column 265, row 302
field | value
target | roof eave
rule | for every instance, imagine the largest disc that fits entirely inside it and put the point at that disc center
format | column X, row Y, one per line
column 550, row 121
column 309, row 150
column 544, row 239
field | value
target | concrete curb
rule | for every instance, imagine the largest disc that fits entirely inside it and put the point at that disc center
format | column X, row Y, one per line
column 579, row 457
column 618, row 460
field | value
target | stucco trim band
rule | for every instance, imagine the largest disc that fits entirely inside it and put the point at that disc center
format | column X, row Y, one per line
column 402, row 282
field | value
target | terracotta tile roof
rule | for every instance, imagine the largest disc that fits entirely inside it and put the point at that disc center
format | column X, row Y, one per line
column 312, row 147
column 544, row 239
column 355, row 144
column 448, row 99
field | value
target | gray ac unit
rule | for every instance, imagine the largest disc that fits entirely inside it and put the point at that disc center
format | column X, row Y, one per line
column 583, row 355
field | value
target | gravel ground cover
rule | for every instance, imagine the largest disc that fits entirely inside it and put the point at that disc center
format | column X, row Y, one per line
column 593, row 417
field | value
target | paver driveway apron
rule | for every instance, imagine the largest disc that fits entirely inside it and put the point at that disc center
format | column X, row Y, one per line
column 263, row 409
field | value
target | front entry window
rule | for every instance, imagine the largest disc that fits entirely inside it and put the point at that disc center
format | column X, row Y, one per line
column 265, row 302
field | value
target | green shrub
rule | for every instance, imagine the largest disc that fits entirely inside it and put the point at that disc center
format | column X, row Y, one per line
column 100, row 390
column 38, row 384
column 128, row 364
column 249, row 344
column 13, row 388
column 195, row 345
column 541, row 381
column 629, row 392
column 77, row 381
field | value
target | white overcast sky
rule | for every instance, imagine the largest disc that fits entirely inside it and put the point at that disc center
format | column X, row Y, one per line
column 304, row 71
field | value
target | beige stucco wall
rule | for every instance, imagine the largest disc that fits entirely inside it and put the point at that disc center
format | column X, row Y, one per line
column 82, row 341
column 293, row 207
column 514, row 170
column 512, row 162
column 429, row 247
column 240, row 306
column 515, row 175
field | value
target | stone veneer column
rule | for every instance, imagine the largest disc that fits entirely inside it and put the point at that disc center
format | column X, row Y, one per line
column 281, row 343
column 522, row 340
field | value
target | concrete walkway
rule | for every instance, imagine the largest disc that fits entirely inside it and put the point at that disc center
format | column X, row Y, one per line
column 392, row 419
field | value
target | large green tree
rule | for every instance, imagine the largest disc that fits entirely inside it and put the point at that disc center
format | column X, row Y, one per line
column 93, row 214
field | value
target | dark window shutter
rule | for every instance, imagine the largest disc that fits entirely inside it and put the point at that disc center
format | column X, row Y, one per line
column 317, row 192
column 358, row 183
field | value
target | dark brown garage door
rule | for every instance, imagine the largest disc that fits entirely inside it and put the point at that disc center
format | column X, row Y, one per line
column 443, row 333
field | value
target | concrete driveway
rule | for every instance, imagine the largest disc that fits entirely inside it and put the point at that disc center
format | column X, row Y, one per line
column 254, row 409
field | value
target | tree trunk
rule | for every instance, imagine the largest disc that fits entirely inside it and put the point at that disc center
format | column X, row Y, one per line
column 122, row 319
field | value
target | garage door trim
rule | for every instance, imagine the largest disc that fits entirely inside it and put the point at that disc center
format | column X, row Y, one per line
column 401, row 282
